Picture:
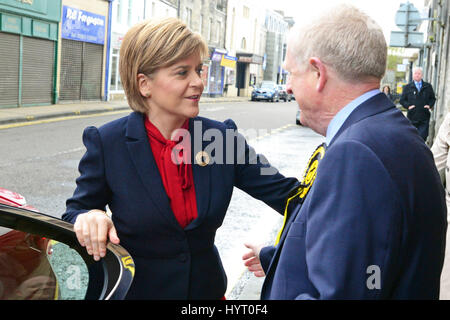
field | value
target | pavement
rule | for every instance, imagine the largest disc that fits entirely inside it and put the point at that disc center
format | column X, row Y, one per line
column 10, row 116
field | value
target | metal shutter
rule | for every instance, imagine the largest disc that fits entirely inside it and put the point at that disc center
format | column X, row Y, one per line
column 70, row 74
column 9, row 66
column 38, row 69
column 91, row 88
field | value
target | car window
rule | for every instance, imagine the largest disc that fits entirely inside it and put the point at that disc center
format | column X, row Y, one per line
column 33, row 267
column 41, row 259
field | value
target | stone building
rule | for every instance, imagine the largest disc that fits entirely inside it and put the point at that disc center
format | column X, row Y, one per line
column 277, row 29
column 246, row 41
column 436, row 56
column 209, row 19
column 124, row 14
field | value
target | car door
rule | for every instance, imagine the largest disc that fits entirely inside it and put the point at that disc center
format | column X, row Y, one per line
column 41, row 259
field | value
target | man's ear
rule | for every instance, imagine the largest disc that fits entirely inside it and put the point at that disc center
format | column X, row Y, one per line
column 320, row 71
column 144, row 83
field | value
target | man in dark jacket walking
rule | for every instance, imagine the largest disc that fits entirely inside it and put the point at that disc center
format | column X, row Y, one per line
column 418, row 98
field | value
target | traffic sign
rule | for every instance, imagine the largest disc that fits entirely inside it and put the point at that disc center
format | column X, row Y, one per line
column 406, row 40
column 408, row 20
column 408, row 17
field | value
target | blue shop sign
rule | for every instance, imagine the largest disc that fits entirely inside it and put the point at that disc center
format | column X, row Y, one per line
column 82, row 25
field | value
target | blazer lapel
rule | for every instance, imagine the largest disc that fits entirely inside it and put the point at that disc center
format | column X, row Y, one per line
column 201, row 171
column 144, row 162
column 372, row 106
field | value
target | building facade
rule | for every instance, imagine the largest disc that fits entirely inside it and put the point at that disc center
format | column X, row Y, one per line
column 28, row 51
column 436, row 55
column 83, row 50
column 209, row 19
column 124, row 14
column 245, row 40
column 277, row 29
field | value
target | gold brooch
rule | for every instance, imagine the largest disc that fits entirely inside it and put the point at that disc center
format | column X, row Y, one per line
column 202, row 158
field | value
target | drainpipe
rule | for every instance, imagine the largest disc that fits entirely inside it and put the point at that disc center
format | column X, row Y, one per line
column 108, row 51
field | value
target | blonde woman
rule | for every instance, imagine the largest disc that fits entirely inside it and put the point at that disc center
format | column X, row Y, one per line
column 167, row 202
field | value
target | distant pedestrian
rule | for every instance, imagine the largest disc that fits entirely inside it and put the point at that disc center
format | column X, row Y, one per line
column 418, row 98
column 440, row 150
column 387, row 92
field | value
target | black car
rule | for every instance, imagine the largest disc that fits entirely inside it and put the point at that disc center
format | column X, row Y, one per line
column 267, row 91
column 297, row 118
column 41, row 259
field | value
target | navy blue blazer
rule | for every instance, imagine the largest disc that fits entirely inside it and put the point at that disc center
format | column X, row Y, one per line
column 374, row 223
column 118, row 170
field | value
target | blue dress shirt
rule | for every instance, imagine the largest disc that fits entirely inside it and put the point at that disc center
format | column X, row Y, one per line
column 339, row 119
column 418, row 85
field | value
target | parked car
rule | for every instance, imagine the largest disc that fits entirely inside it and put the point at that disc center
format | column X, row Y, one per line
column 297, row 118
column 41, row 259
column 284, row 95
column 267, row 91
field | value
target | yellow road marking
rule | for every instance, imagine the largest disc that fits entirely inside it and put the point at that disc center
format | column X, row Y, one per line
column 76, row 116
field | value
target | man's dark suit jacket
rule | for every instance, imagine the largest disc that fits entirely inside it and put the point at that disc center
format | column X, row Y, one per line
column 411, row 96
column 374, row 222
column 118, row 169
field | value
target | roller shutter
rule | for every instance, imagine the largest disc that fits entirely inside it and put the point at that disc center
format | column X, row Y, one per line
column 91, row 84
column 81, row 71
column 38, row 70
column 70, row 77
column 9, row 66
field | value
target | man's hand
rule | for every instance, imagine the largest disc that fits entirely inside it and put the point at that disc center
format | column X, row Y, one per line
column 411, row 107
column 93, row 229
column 252, row 261
column 427, row 107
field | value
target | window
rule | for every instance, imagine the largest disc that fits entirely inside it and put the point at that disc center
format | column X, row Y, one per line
column 119, row 11
column 246, row 12
column 116, row 84
column 210, row 29
column 188, row 17
column 221, row 5
column 244, row 44
column 130, row 13
column 201, row 25
column 218, row 30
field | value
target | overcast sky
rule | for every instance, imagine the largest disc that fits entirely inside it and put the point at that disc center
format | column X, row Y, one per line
column 382, row 11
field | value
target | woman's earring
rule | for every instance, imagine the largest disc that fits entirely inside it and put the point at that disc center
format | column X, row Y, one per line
column 147, row 95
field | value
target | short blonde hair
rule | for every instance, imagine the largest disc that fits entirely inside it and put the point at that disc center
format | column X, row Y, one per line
column 346, row 39
column 151, row 45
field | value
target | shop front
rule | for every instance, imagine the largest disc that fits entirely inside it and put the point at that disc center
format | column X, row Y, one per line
column 248, row 72
column 28, row 51
column 218, row 72
column 82, row 55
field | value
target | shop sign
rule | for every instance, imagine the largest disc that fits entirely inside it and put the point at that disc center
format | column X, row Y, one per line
column 39, row 6
column 82, row 25
column 228, row 61
column 10, row 23
column 251, row 59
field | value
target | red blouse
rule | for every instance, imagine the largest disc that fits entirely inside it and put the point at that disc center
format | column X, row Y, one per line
column 177, row 179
